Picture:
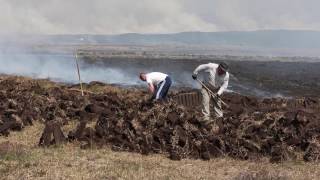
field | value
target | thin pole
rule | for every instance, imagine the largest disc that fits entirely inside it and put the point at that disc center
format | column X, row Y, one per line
column 211, row 93
column 79, row 76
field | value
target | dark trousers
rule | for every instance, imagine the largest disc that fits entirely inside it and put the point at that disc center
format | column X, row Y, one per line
column 162, row 89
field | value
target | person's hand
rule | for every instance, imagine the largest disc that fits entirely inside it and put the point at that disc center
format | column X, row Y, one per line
column 194, row 76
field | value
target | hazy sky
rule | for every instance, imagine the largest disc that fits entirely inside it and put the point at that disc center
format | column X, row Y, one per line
column 155, row 16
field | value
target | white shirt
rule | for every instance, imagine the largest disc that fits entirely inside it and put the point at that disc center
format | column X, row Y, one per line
column 212, row 76
column 155, row 77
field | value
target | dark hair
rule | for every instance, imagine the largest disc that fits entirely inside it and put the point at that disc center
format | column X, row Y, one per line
column 141, row 75
column 224, row 66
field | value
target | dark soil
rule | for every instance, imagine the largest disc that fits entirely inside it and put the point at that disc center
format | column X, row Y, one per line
column 126, row 121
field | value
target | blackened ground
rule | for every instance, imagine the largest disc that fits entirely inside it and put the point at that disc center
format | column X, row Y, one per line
column 252, row 77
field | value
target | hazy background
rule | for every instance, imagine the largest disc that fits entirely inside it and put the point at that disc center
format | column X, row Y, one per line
column 155, row 16
column 38, row 38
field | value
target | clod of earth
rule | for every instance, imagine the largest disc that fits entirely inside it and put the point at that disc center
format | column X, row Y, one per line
column 124, row 120
column 52, row 134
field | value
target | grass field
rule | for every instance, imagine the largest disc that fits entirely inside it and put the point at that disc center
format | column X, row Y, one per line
column 70, row 162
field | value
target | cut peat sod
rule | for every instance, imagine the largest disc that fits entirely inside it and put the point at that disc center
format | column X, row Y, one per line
column 252, row 128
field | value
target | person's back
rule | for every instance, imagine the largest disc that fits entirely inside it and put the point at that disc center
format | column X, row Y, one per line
column 158, row 83
column 155, row 77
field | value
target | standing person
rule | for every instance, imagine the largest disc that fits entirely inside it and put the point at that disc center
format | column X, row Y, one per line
column 216, row 79
column 158, row 84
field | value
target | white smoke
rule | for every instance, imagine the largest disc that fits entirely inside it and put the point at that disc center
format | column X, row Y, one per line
column 61, row 68
column 97, row 17
column 152, row 16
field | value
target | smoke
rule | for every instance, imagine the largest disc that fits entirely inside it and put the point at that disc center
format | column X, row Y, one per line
column 97, row 17
column 61, row 68
column 256, row 15
column 150, row 16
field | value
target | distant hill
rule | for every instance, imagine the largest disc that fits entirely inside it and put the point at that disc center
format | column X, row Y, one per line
column 265, row 39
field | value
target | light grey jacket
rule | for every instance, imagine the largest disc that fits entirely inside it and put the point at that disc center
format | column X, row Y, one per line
column 211, row 76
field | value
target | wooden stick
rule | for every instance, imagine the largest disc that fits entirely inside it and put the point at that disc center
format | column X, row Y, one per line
column 211, row 93
column 79, row 73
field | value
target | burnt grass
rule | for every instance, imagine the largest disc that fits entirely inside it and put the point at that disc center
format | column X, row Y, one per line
column 124, row 120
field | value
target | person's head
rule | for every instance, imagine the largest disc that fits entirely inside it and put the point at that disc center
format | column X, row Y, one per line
column 223, row 68
column 142, row 76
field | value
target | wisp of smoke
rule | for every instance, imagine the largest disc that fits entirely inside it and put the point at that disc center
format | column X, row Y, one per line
column 61, row 68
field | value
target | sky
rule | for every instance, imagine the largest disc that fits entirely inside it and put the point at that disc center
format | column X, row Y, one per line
column 155, row 16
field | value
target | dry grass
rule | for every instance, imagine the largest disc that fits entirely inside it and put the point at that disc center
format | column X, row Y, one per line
column 70, row 162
